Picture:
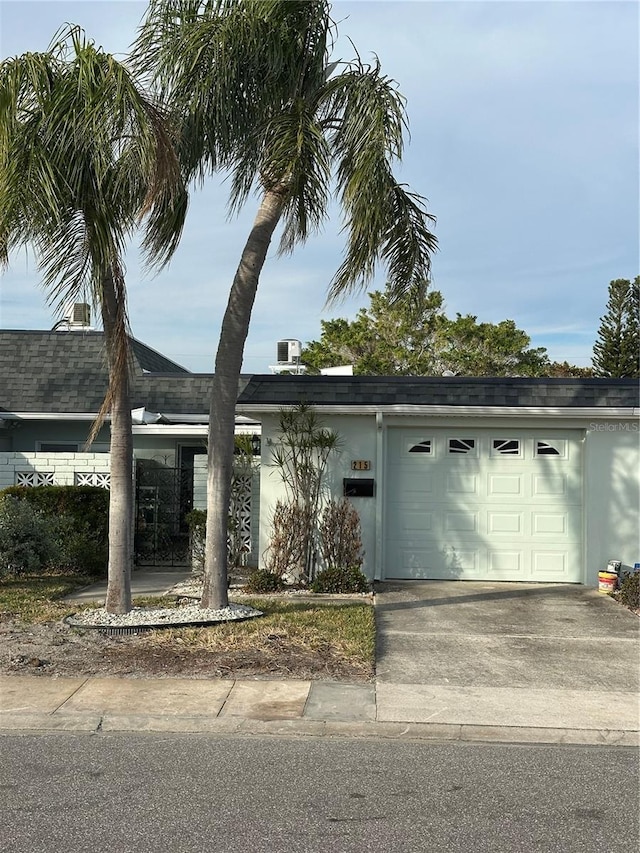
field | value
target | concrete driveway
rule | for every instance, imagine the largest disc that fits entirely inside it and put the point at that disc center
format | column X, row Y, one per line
column 492, row 654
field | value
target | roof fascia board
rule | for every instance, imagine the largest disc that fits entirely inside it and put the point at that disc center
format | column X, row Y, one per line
column 448, row 411
column 188, row 429
column 169, row 429
column 52, row 416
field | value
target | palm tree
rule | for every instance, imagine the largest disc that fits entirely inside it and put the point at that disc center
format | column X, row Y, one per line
column 256, row 97
column 84, row 156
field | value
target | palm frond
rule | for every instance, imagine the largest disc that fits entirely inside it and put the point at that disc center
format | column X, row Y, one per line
column 228, row 67
column 364, row 116
column 85, row 157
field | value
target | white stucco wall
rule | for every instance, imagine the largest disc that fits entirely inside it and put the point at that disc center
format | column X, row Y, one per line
column 612, row 495
column 357, row 442
column 611, row 480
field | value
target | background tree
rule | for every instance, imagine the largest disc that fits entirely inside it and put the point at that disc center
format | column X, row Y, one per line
column 389, row 337
column 617, row 347
column 255, row 94
column 564, row 370
column 414, row 337
column 84, row 155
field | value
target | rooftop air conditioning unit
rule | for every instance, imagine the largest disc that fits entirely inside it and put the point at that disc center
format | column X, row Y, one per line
column 76, row 317
column 80, row 314
column 289, row 351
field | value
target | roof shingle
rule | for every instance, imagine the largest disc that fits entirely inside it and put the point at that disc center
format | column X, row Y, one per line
column 349, row 391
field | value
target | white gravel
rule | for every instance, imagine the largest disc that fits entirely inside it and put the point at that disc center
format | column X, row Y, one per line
column 186, row 614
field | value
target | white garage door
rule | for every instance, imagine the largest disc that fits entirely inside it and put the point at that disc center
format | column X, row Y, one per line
column 483, row 505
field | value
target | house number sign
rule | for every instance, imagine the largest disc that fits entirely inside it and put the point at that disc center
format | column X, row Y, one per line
column 360, row 465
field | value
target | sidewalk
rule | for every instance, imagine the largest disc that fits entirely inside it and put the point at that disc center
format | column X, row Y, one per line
column 291, row 708
column 475, row 662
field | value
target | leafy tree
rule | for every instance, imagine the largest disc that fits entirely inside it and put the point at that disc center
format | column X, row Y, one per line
column 564, row 370
column 469, row 348
column 256, row 96
column 617, row 347
column 84, row 155
column 390, row 337
column 413, row 337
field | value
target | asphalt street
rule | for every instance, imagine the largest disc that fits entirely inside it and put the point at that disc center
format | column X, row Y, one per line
column 152, row 793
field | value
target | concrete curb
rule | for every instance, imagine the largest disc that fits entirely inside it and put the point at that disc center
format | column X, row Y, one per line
column 111, row 723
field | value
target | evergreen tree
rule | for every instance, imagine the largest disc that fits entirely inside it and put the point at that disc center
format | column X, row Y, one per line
column 617, row 347
column 414, row 337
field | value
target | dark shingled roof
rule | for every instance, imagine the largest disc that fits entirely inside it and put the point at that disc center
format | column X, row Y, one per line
column 283, row 390
column 58, row 372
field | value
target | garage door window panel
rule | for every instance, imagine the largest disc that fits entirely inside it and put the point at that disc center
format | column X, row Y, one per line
column 424, row 447
column 506, row 447
column 462, row 446
column 551, row 448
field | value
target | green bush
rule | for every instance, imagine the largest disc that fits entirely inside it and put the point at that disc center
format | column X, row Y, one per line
column 80, row 523
column 28, row 541
column 630, row 590
column 262, row 581
column 197, row 523
column 340, row 580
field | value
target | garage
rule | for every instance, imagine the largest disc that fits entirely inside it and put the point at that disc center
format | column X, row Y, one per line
column 483, row 504
column 478, row 478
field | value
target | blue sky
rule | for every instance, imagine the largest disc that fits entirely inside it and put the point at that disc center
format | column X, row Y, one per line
column 524, row 139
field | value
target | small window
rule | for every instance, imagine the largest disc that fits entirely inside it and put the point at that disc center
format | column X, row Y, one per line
column 506, row 447
column 462, row 445
column 425, row 446
column 58, row 446
column 543, row 448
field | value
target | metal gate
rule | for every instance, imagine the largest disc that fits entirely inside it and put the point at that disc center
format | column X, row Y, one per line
column 164, row 496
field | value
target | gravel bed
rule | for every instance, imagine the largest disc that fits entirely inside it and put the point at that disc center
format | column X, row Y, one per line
column 140, row 617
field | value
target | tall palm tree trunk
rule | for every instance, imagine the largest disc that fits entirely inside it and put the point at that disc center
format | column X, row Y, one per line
column 235, row 327
column 121, row 451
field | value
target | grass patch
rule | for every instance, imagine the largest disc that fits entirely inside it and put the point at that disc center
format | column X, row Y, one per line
column 345, row 631
column 36, row 598
column 294, row 639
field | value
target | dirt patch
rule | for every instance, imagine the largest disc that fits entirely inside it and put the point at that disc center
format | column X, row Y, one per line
column 54, row 649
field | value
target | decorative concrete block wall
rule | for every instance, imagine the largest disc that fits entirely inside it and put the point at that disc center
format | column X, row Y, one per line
column 54, row 469
column 252, row 506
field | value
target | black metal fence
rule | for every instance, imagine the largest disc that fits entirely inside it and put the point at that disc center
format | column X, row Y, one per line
column 164, row 496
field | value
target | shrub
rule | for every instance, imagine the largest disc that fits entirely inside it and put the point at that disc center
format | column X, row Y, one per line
column 340, row 535
column 262, row 580
column 80, row 549
column 197, row 522
column 630, row 590
column 343, row 579
column 287, row 552
column 79, row 523
column 27, row 538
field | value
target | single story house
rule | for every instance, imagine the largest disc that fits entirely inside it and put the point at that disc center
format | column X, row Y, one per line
column 496, row 479
column 53, row 385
